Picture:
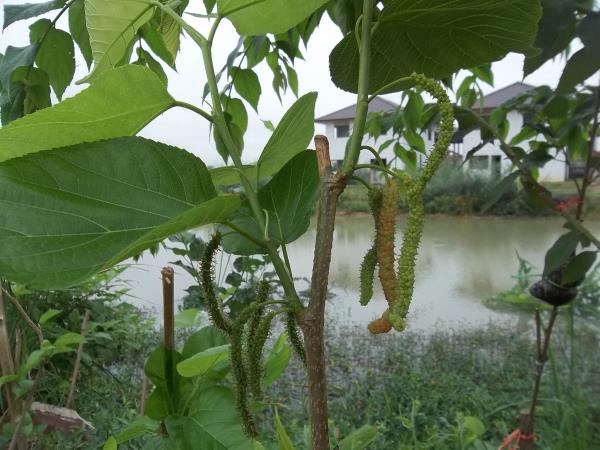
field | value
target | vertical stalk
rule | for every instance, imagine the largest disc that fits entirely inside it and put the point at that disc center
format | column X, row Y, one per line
column 313, row 320
column 168, row 286
column 76, row 367
column 528, row 418
column 332, row 185
column 587, row 176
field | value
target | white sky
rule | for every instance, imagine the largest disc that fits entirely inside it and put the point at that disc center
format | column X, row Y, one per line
column 184, row 129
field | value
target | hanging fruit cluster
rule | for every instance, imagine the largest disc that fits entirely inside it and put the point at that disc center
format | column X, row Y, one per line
column 398, row 284
column 248, row 334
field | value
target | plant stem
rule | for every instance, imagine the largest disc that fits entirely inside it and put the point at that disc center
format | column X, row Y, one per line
column 588, row 163
column 76, row 367
column 527, row 425
column 312, row 321
column 221, row 126
column 362, row 102
column 195, row 109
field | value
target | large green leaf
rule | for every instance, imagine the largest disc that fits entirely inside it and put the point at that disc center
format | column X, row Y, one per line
column 112, row 25
column 120, row 103
column 556, row 30
column 437, row 37
column 68, row 213
column 292, row 135
column 213, row 423
column 13, row 13
column 360, row 439
column 288, row 199
column 203, row 362
column 278, row 359
column 79, row 32
column 255, row 17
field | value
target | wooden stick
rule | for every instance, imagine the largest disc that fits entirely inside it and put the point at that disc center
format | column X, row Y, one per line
column 6, row 361
column 323, row 158
column 168, row 284
column 84, row 327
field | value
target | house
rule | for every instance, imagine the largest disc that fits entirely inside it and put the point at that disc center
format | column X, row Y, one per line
column 489, row 160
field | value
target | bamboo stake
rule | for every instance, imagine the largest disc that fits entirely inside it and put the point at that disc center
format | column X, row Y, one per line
column 84, row 327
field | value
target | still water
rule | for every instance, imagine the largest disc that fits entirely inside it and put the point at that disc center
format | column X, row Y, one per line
column 462, row 260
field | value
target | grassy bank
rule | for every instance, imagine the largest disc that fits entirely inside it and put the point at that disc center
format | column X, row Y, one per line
column 438, row 391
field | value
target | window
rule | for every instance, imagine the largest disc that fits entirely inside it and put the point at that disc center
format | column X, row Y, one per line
column 479, row 163
column 342, row 131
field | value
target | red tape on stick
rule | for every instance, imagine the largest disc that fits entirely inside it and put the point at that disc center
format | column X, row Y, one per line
column 513, row 440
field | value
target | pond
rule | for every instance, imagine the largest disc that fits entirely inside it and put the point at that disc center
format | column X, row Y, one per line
column 462, row 261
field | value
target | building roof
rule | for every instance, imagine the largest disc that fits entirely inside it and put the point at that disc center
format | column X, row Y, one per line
column 497, row 98
column 378, row 104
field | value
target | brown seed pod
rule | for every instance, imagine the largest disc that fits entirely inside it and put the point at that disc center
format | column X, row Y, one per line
column 381, row 325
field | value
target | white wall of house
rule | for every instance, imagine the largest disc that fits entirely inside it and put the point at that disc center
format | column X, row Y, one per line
column 489, row 160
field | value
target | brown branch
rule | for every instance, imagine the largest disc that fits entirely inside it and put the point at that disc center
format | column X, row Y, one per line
column 528, row 417
column 312, row 321
column 168, row 307
column 84, row 328
column 588, row 164
column 6, row 361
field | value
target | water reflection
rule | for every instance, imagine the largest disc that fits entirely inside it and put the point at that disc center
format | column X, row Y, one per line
column 461, row 261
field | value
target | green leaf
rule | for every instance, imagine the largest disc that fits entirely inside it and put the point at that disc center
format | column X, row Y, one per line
column 292, row 135
column 110, row 444
column 501, row 188
column 69, row 339
column 79, row 32
column 288, row 198
column 36, row 86
column 14, row 58
column 141, row 426
column 413, row 111
column 283, row 440
column 246, row 84
column 278, row 359
column 112, row 27
column 48, row 315
column 415, row 141
column 360, row 439
column 120, row 103
column 71, row 212
column 555, row 32
column 473, row 427
column 578, row 267
column 56, row 57
column 14, row 13
column 560, row 251
column 187, row 318
column 206, row 338
column 202, row 362
column 437, row 37
column 212, row 421
column 252, row 17
column 146, row 59
column 580, row 66
column 170, row 389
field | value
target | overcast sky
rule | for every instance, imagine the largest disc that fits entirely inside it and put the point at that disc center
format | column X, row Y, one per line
column 184, row 129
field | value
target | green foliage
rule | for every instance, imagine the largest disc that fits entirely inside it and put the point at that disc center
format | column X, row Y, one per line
column 437, row 39
column 112, row 224
column 112, row 28
column 287, row 201
column 79, row 31
column 14, row 13
column 119, row 103
column 55, row 54
column 266, row 16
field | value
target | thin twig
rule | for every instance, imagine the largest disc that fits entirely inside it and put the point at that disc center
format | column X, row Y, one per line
column 84, row 327
column 25, row 317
